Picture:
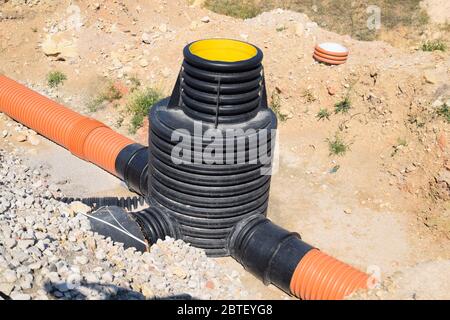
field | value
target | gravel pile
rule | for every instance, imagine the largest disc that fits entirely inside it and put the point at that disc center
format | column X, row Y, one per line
column 47, row 251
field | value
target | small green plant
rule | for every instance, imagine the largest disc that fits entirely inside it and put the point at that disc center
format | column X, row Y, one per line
column 94, row 105
column 110, row 93
column 309, row 96
column 135, row 83
column 445, row 27
column 342, row 106
column 55, row 79
column 434, row 45
column 119, row 121
column 275, row 105
column 444, row 111
column 337, row 146
column 323, row 114
column 139, row 104
column 401, row 143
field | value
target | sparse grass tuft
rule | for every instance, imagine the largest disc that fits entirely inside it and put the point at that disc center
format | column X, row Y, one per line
column 55, row 79
column 401, row 143
column 242, row 9
column 434, row 45
column 135, row 83
column 445, row 27
column 110, row 93
column 337, row 146
column 342, row 106
column 444, row 111
column 275, row 105
column 308, row 95
column 417, row 120
column 139, row 104
column 119, row 121
column 323, row 114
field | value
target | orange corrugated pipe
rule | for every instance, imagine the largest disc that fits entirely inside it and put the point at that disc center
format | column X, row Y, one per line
column 86, row 138
column 321, row 277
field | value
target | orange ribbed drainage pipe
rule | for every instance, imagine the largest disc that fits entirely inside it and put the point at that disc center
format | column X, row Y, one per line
column 86, row 138
column 321, row 277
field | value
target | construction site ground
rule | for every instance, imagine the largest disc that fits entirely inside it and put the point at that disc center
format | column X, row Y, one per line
column 382, row 206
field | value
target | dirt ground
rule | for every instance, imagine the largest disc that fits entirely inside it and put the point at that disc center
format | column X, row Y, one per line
column 383, row 205
column 437, row 10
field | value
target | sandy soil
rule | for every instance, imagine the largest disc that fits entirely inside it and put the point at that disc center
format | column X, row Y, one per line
column 382, row 205
column 438, row 10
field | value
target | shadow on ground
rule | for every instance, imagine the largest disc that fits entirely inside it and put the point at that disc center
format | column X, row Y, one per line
column 4, row 296
column 101, row 291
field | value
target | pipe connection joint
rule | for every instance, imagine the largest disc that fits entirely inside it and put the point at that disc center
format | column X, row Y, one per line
column 279, row 257
column 266, row 250
column 156, row 224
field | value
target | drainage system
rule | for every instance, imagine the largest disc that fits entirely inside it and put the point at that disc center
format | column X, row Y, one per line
column 206, row 172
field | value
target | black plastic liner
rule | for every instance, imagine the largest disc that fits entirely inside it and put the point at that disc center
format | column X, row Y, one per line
column 121, row 219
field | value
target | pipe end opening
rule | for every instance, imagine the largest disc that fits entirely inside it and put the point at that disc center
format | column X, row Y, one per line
column 223, row 50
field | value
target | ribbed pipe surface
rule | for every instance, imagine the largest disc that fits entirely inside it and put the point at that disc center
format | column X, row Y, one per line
column 86, row 138
column 321, row 277
column 211, row 143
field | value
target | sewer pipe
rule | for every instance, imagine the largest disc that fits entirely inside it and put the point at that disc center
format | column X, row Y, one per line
column 85, row 137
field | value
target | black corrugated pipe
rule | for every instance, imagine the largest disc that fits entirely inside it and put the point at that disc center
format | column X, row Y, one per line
column 156, row 225
column 207, row 192
column 138, row 229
